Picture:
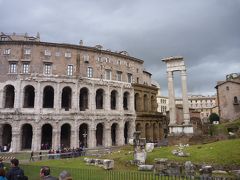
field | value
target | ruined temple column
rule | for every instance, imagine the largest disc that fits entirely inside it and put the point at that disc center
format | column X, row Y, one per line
column 171, row 95
column 186, row 116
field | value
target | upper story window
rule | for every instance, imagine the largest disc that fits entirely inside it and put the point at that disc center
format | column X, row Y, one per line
column 89, row 72
column 227, row 88
column 27, row 51
column 68, row 54
column 70, row 70
column 99, row 59
column 118, row 62
column 47, row 69
column 25, row 68
column 7, row 51
column 47, row 52
column 86, row 58
column 13, row 67
column 129, row 78
column 119, row 76
column 57, row 54
column 235, row 100
column 108, row 74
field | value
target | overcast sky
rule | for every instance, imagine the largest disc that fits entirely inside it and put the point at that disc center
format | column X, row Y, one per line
column 205, row 32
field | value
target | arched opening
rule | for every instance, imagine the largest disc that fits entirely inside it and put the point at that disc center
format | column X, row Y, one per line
column 6, row 136
column 155, row 132
column 9, row 96
column 29, row 96
column 99, row 134
column 99, row 99
column 126, row 132
column 83, row 135
column 125, row 100
column 145, row 99
column 114, row 100
column 137, row 102
column 65, row 136
column 83, row 100
column 46, row 140
column 114, row 130
column 139, row 128
column 66, row 98
column 153, row 102
column 48, row 97
column 27, row 134
column 147, row 132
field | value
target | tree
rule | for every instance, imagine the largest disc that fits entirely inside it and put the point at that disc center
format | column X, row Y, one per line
column 213, row 117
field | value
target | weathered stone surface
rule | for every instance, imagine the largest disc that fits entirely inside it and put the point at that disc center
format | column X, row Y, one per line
column 189, row 168
column 108, row 164
column 145, row 167
column 206, row 171
column 149, row 147
column 130, row 141
column 140, row 157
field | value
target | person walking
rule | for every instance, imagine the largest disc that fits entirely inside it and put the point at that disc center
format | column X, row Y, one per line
column 31, row 157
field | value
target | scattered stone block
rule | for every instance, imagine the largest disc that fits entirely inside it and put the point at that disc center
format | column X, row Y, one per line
column 145, row 167
column 140, row 157
column 108, row 164
column 149, row 147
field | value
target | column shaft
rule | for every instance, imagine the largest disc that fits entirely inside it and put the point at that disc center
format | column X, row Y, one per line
column 186, row 116
column 171, row 94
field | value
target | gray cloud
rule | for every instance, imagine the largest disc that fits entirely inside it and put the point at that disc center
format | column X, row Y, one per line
column 205, row 32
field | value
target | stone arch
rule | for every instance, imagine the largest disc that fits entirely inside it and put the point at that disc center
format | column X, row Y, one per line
column 29, row 96
column 153, row 102
column 6, row 135
column 139, row 128
column 99, row 99
column 126, row 100
column 83, row 99
column 114, row 133
column 145, row 102
column 83, row 135
column 148, row 132
column 48, row 97
column 126, row 132
column 65, row 135
column 26, row 136
column 137, row 102
column 9, row 92
column 113, row 99
column 66, row 98
column 99, row 134
column 46, row 136
column 155, row 132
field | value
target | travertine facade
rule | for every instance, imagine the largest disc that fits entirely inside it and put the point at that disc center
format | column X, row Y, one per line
column 228, row 97
column 63, row 95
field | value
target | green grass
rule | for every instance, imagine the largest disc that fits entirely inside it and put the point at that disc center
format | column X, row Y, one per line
column 222, row 153
column 222, row 129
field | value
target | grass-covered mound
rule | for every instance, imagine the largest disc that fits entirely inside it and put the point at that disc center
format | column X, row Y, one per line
column 222, row 153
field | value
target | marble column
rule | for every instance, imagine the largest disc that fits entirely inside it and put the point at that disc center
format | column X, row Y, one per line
column 38, row 98
column 106, row 99
column 186, row 117
column 16, row 140
column 56, row 138
column 171, row 94
column 57, row 98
